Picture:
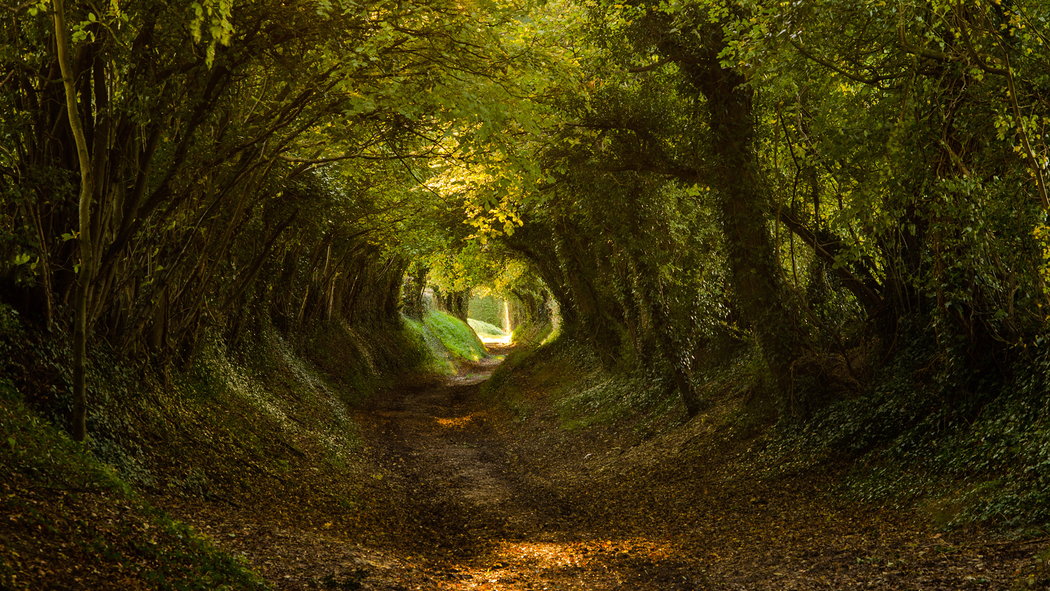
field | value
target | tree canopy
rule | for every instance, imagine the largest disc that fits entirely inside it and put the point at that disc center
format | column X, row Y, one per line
column 817, row 182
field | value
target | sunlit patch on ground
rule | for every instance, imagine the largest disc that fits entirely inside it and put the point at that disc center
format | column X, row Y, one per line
column 556, row 555
column 459, row 422
column 593, row 564
column 546, row 555
column 495, row 340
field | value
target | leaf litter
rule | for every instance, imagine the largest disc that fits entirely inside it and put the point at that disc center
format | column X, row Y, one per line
column 460, row 494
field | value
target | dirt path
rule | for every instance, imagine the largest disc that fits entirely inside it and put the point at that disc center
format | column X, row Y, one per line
column 464, row 497
column 495, row 504
column 484, row 517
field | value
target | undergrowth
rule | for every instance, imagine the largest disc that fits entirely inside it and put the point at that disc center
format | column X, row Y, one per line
column 983, row 459
column 66, row 510
column 916, row 440
column 582, row 392
column 268, row 422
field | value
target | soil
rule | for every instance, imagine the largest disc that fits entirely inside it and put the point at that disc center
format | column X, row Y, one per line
column 466, row 496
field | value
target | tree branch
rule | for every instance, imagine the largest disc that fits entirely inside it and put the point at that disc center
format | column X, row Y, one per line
column 827, row 247
column 831, row 66
column 902, row 41
column 649, row 68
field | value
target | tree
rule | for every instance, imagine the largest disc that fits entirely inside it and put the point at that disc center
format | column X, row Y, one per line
column 206, row 135
column 85, row 275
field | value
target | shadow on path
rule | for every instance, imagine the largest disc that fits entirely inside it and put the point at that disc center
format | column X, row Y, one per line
column 457, row 495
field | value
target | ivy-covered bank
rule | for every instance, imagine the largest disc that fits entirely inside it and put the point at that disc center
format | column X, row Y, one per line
column 983, row 464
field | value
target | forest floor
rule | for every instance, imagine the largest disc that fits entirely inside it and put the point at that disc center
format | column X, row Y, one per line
column 463, row 495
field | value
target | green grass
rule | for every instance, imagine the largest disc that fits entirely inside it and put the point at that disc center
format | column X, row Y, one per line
column 535, row 333
column 438, row 358
column 455, row 335
column 484, row 329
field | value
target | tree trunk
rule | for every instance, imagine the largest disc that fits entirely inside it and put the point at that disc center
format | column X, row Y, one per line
column 85, row 242
column 648, row 282
column 756, row 274
column 412, row 296
column 455, row 303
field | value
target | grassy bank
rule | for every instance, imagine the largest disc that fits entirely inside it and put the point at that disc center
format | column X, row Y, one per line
column 268, row 425
column 486, row 330
column 450, row 340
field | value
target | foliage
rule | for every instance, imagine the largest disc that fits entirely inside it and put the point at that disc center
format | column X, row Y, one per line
column 890, row 175
column 488, row 309
column 835, row 211
column 262, row 161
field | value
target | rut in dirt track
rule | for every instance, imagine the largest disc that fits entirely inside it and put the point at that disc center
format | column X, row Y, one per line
column 464, row 489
